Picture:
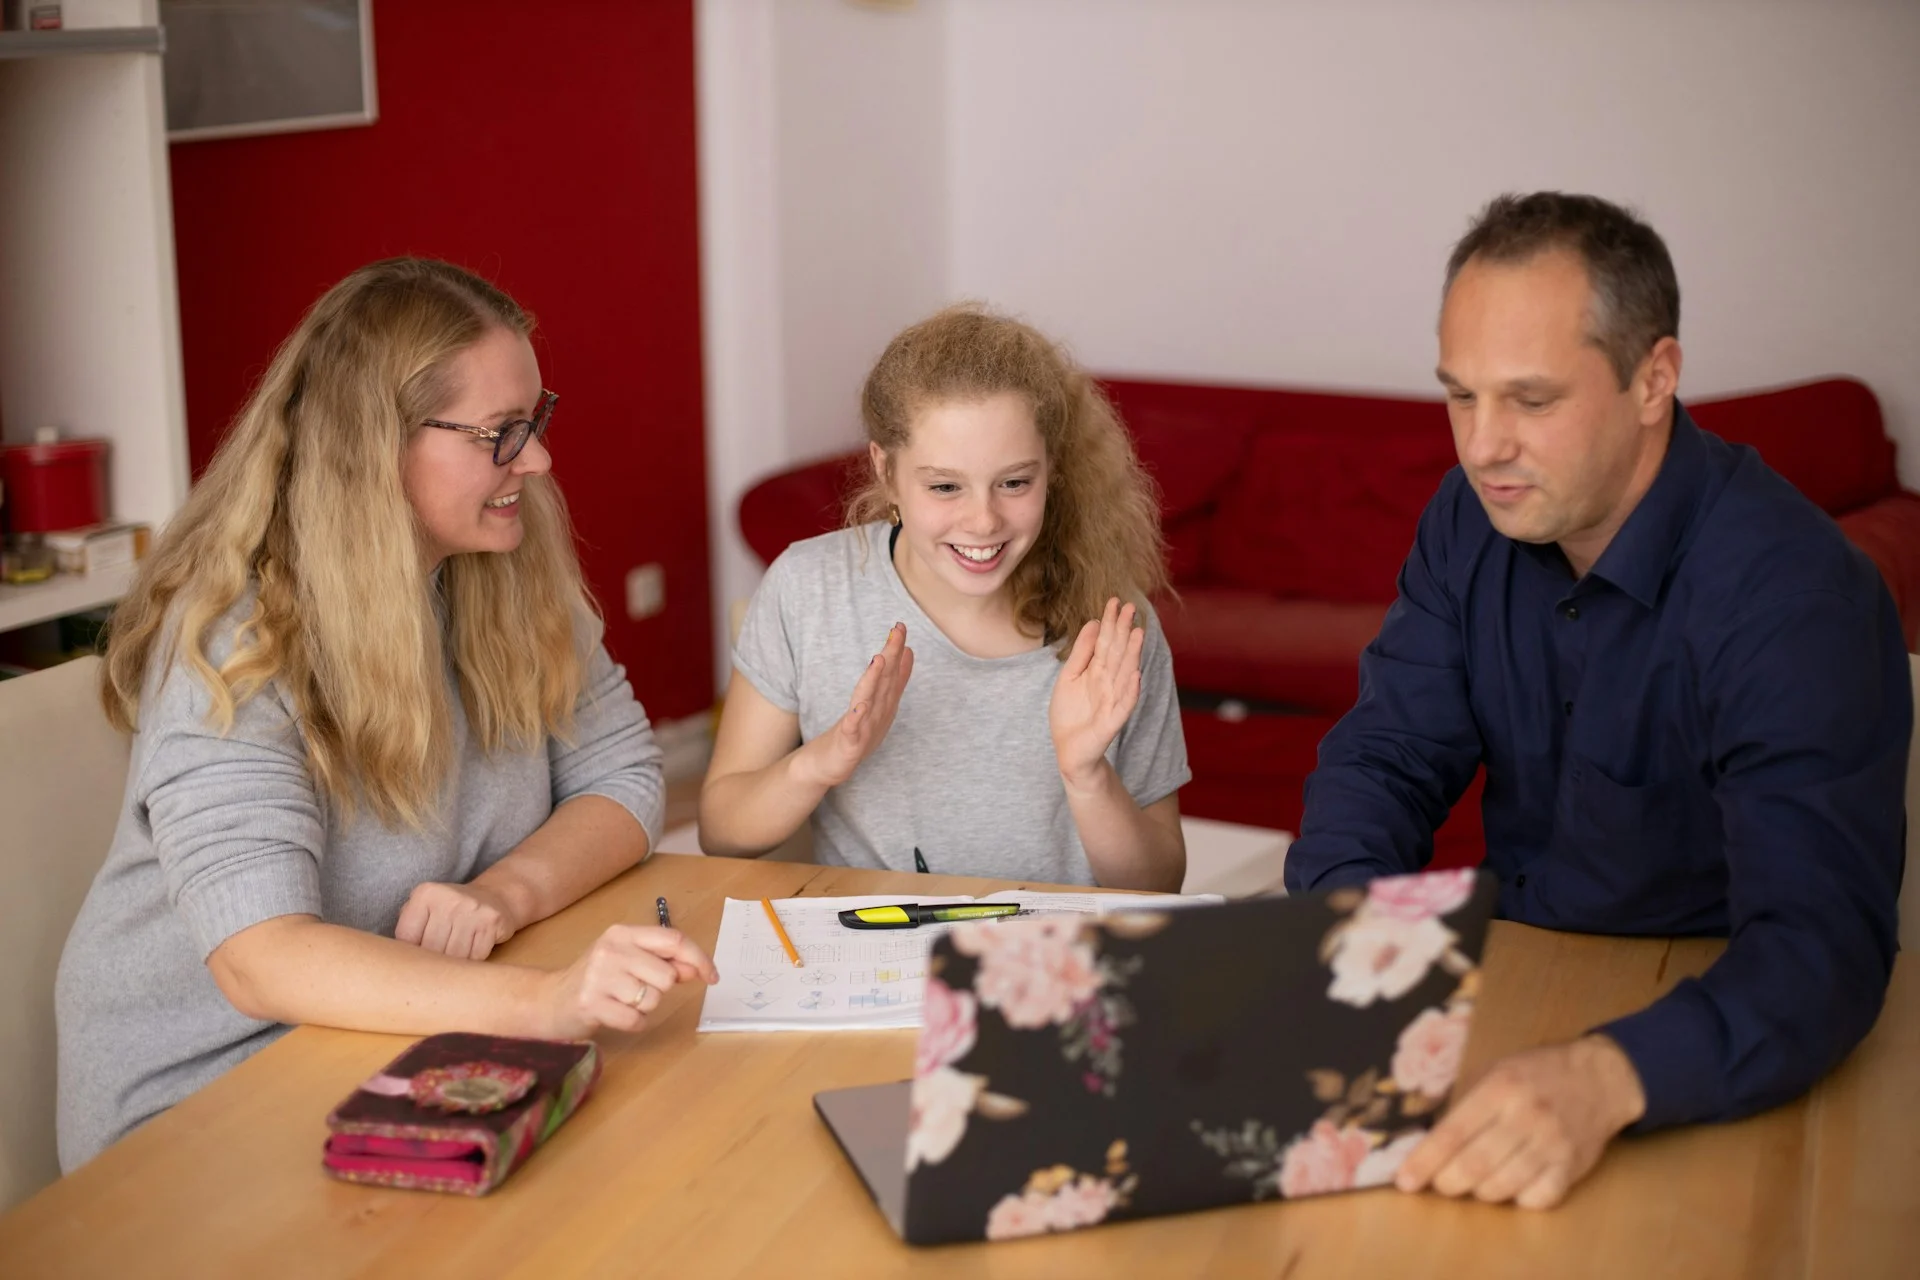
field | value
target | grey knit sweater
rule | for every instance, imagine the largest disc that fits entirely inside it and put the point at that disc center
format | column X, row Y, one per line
column 219, row 832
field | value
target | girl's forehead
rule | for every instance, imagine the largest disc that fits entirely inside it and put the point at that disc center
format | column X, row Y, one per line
column 980, row 428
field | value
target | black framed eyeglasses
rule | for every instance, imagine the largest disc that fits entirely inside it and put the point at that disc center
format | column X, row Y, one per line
column 509, row 438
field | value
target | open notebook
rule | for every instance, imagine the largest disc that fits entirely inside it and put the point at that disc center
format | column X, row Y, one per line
column 854, row 979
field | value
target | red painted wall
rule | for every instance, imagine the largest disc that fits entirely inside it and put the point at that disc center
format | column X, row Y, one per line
column 549, row 147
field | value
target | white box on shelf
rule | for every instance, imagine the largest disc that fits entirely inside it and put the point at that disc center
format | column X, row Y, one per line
column 97, row 547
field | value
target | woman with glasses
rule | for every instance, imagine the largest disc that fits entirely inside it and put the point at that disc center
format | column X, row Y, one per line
column 375, row 730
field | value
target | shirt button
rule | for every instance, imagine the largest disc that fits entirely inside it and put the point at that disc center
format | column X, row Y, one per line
column 1520, row 881
column 1573, row 613
column 1567, row 707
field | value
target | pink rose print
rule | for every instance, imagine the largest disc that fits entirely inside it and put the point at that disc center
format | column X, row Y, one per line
column 949, row 1030
column 1082, row 1201
column 1381, row 1164
column 1427, row 1057
column 1322, row 1159
column 1419, row 897
column 1034, row 972
column 942, row 1100
column 1384, row 957
column 1021, row 1215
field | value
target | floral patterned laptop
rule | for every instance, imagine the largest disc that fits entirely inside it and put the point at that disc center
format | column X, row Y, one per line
column 1072, row 1072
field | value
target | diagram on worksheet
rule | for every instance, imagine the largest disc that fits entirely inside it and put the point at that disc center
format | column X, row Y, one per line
column 876, row 999
column 845, row 979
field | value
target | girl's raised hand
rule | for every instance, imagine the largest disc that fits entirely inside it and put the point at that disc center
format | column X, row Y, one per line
column 1098, row 687
column 831, row 758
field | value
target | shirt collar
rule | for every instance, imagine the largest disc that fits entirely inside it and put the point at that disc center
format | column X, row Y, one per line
column 1637, row 559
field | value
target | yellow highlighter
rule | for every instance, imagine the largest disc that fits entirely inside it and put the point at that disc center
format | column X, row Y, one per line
column 909, row 915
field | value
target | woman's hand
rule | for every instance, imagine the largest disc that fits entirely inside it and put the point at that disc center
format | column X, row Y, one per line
column 622, row 978
column 465, row 921
column 831, row 758
column 1098, row 687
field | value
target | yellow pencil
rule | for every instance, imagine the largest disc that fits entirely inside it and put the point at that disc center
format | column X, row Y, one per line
column 781, row 929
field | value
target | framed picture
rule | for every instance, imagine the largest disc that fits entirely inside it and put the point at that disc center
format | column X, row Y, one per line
column 238, row 67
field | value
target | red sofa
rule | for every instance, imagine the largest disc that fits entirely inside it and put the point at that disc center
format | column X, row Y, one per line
column 1287, row 515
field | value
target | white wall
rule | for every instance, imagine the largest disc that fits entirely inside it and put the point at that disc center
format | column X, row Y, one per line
column 1266, row 192
column 823, row 230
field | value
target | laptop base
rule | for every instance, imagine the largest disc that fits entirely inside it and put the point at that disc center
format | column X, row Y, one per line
column 870, row 1124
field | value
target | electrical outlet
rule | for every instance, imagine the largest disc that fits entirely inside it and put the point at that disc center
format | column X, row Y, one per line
column 646, row 591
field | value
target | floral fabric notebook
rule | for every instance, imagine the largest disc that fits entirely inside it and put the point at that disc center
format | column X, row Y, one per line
column 458, row 1112
column 1073, row 1072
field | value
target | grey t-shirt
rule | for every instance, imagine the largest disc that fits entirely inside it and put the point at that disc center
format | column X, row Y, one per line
column 967, row 773
column 219, row 832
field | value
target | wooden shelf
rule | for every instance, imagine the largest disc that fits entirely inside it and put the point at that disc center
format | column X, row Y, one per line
column 52, row 44
column 60, row 595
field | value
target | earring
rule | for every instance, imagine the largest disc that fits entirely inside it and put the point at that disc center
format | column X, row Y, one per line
column 893, row 513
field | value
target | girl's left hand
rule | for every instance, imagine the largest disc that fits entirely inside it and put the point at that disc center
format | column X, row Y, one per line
column 1099, row 686
column 465, row 921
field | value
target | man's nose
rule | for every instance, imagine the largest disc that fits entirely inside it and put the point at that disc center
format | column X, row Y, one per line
column 1484, row 436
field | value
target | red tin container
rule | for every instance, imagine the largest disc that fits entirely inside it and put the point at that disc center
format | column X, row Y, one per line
column 62, row 485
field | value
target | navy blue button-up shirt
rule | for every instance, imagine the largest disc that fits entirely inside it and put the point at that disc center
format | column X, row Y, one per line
column 1706, row 734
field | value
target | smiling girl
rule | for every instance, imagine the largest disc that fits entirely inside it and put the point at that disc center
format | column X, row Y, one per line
column 376, row 730
column 1032, row 732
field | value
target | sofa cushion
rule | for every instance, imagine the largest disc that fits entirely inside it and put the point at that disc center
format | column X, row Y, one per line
column 1187, row 545
column 1889, row 532
column 810, row 499
column 1825, row 437
column 1325, row 507
column 1255, row 770
column 1190, row 453
column 1300, row 653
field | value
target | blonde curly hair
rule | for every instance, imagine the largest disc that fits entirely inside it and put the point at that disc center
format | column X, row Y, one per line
column 1100, row 536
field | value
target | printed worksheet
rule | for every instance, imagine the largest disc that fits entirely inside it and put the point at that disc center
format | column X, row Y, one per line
column 852, row 979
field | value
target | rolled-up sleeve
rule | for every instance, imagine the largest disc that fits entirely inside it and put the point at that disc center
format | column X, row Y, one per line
column 1150, row 751
column 611, row 751
column 1812, row 710
column 235, row 819
column 764, row 651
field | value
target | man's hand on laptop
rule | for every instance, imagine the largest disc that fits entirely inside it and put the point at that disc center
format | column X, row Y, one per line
column 1532, row 1127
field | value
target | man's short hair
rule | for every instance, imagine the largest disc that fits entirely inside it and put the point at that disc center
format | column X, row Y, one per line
column 1636, row 297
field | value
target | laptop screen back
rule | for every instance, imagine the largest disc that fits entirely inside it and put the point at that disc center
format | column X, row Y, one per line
column 1074, row 1072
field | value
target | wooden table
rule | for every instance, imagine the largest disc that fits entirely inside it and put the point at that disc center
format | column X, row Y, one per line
column 701, row 1156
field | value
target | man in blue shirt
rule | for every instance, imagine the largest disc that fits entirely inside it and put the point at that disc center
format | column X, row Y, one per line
column 1689, row 690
